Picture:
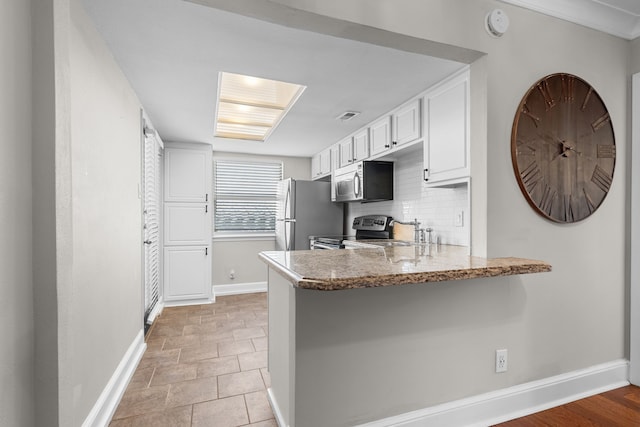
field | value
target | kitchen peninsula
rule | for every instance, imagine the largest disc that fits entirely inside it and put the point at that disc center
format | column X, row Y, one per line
column 353, row 333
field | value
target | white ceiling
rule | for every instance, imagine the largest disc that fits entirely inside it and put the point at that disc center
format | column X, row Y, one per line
column 171, row 51
column 620, row 18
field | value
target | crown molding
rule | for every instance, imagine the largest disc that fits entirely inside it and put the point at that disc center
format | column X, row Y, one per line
column 589, row 13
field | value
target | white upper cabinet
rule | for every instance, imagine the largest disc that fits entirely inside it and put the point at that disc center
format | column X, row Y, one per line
column 321, row 164
column 361, row 145
column 406, row 123
column 335, row 156
column 346, row 152
column 187, row 224
column 446, row 146
column 187, row 175
column 380, row 135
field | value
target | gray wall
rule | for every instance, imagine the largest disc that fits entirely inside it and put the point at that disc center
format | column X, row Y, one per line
column 16, row 317
column 44, row 217
column 98, row 172
column 573, row 317
column 242, row 255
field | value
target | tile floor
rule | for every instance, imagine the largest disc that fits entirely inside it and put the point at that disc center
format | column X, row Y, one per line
column 205, row 365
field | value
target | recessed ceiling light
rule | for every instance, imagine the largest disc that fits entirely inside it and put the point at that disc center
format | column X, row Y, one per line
column 251, row 107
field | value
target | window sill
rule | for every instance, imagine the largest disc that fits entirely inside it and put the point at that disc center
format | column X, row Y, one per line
column 238, row 237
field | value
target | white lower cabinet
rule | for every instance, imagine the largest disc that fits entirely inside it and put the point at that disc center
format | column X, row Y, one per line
column 187, row 273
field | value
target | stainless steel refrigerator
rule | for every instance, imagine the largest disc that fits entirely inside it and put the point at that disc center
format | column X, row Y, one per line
column 305, row 209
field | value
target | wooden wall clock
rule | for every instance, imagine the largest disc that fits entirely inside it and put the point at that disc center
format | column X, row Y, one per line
column 563, row 148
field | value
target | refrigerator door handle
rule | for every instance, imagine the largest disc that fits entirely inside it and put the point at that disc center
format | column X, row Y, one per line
column 286, row 220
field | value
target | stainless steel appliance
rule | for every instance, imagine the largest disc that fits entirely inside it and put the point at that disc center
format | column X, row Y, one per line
column 304, row 209
column 365, row 181
column 367, row 227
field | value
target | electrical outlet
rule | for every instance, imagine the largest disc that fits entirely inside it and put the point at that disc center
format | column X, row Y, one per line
column 501, row 360
column 459, row 219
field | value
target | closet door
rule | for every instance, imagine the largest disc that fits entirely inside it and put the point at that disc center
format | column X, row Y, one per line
column 151, row 223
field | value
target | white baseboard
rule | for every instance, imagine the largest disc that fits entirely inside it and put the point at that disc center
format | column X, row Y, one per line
column 107, row 403
column 239, row 288
column 180, row 303
column 277, row 414
column 157, row 310
column 514, row 402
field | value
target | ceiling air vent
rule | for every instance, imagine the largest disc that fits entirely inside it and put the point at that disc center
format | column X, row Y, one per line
column 347, row 115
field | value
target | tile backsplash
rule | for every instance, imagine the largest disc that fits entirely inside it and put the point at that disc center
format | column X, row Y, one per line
column 433, row 207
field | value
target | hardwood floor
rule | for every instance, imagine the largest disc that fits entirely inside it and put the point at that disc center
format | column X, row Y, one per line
column 615, row 408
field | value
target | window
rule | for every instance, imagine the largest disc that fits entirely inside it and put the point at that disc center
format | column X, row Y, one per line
column 245, row 196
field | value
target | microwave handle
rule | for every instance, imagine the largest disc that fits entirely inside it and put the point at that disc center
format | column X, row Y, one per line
column 357, row 188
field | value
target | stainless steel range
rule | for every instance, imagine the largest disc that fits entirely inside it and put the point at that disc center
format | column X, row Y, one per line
column 367, row 227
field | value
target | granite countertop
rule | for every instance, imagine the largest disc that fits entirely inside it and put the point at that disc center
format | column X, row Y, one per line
column 389, row 265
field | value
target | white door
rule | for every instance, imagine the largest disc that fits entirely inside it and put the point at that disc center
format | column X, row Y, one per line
column 187, row 224
column 187, row 175
column 152, row 184
column 187, row 272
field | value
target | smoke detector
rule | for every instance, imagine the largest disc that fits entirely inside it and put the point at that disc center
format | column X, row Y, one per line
column 496, row 22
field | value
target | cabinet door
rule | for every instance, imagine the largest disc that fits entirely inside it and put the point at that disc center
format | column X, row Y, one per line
column 380, row 135
column 447, row 146
column 406, row 123
column 325, row 161
column 187, row 175
column 361, row 145
column 187, row 273
column 346, row 152
column 315, row 166
column 335, row 157
column 187, row 224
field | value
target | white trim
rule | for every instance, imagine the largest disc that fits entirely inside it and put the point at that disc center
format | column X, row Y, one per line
column 634, row 329
column 238, row 237
column 277, row 413
column 517, row 401
column 107, row 403
column 239, row 288
column 196, row 301
column 157, row 310
column 592, row 14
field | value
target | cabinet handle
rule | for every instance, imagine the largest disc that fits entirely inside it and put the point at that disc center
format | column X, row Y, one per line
column 386, row 146
column 395, row 142
column 354, row 159
column 424, row 175
column 206, row 208
column 206, row 197
column 206, row 251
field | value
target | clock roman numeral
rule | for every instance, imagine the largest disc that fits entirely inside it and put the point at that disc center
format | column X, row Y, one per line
column 526, row 150
column 568, row 86
column 543, row 87
column 525, row 111
column 601, row 179
column 586, row 99
column 606, row 151
column 568, row 209
column 590, row 205
column 600, row 121
column 531, row 176
column 547, row 199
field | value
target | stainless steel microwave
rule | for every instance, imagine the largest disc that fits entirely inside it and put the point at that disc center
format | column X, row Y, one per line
column 365, row 181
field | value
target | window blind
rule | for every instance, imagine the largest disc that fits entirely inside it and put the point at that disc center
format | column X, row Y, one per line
column 245, row 195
